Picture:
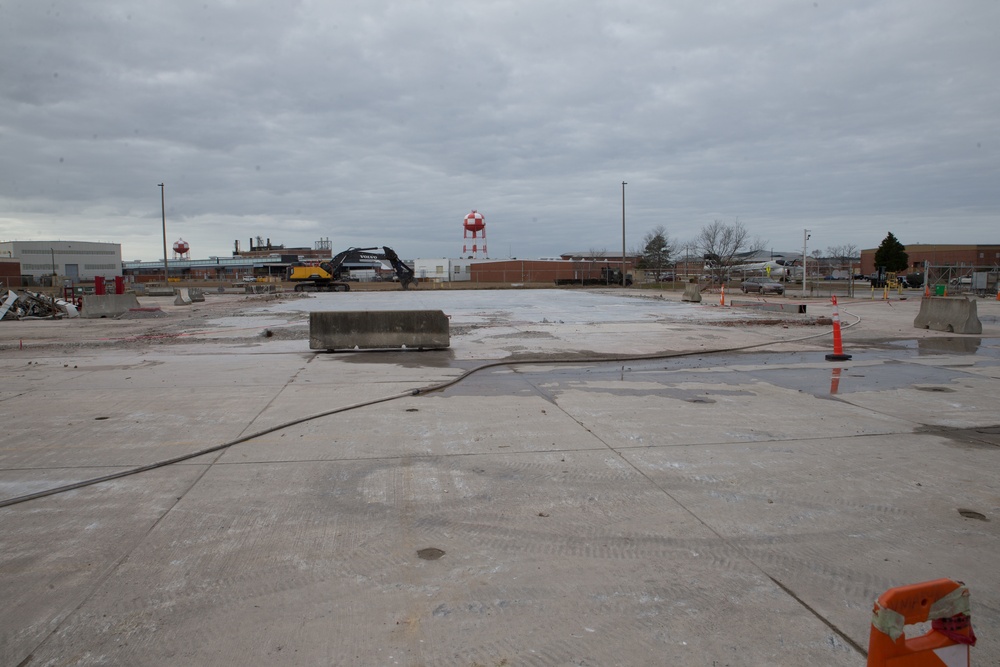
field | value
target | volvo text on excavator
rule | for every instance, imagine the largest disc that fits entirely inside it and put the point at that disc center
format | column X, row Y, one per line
column 331, row 276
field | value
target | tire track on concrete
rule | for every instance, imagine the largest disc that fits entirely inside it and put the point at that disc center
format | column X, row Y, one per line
column 111, row 571
column 742, row 555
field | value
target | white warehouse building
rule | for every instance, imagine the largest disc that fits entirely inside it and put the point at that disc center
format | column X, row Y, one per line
column 72, row 260
column 444, row 270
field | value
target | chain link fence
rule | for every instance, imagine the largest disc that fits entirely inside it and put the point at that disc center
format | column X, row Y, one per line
column 975, row 280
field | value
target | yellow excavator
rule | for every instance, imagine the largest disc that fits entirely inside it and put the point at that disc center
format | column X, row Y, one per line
column 332, row 276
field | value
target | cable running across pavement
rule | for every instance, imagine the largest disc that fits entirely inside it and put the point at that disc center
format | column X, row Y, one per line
column 595, row 359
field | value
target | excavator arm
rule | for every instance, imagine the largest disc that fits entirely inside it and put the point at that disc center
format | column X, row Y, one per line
column 336, row 273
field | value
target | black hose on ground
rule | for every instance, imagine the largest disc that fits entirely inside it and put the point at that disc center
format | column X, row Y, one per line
column 416, row 392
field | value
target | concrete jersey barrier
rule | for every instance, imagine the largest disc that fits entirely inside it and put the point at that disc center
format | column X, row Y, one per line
column 108, row 305
column 182, row 297
column 691, row 293
column 954, row 314
column 366, row 330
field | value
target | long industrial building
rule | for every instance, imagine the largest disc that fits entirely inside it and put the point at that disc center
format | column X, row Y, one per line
column 72, row 260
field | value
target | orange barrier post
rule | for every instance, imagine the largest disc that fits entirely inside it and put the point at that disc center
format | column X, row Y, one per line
column 945, row 603
column 722, row 296
column 838, row 343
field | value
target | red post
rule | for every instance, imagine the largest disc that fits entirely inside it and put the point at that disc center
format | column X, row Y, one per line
column 119, row 285
column 99, row 285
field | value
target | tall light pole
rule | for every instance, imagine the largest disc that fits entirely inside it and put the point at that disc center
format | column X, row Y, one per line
column 163, row 210
column 805, row 237
column 623, row 232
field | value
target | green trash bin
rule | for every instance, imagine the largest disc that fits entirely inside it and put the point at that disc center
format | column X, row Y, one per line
column 939, row 290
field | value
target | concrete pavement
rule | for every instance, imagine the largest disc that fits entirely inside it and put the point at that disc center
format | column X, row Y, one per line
column 712, row 509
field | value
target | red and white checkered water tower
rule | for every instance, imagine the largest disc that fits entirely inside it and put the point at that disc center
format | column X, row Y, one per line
column 181, row 249
column 475, row 225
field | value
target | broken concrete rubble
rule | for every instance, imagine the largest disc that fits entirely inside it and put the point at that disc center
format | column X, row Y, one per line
column 29, row 305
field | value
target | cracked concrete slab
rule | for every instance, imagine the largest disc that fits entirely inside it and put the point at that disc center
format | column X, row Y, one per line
column 720, row 507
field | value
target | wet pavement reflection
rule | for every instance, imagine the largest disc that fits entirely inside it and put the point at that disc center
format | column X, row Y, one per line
column 696, row 378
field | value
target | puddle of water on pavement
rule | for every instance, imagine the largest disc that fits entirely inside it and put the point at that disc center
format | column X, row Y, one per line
column 962, row 345
column 870, row 370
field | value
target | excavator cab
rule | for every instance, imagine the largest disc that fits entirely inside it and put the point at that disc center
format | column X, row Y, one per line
column 332, row 276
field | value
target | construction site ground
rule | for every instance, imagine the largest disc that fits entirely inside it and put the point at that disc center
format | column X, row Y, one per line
column 724, row 496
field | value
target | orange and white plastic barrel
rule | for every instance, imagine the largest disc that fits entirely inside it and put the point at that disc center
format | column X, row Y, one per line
column 943, row 602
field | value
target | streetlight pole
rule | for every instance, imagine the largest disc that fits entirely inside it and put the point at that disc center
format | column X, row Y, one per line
column 623, row 232
column 163, row 210
column 805, row 237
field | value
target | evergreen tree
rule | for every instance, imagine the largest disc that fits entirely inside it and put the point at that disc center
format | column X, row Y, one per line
column 892, row 255
column 656, row 250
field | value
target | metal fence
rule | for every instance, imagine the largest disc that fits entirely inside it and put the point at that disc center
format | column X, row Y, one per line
column 977, row 280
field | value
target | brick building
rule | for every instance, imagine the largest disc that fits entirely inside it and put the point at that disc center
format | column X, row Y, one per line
column 540, row 271
column 10, row 275
column 940, row 255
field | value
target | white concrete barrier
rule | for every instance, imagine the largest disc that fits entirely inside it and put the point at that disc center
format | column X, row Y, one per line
column 954, row 314
column 378, row 329
column 107, row 305
column 692, row 293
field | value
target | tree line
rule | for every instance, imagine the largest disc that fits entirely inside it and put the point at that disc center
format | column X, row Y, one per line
column 722, row 245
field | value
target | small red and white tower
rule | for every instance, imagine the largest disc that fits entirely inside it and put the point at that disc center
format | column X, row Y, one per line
column 181, row 249
column 476, row 225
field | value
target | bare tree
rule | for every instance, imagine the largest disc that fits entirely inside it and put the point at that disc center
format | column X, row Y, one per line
column 720, row 242
column 844, row 255
column 597, row 256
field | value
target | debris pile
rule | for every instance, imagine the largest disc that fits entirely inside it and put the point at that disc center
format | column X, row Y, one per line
column 24, row 305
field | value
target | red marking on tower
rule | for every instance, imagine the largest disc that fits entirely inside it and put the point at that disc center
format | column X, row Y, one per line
column 475, row 224
column 181, row 249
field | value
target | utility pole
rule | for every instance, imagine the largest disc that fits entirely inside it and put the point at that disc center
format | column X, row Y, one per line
column 805, row 237
column 163, row 210
column 623, row 232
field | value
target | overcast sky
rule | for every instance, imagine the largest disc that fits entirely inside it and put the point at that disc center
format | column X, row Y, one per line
column 384, row 122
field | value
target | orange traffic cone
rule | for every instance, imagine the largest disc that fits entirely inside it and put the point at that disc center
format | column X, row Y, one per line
column 838, row 343
column 945, row 603
column 835, row 381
